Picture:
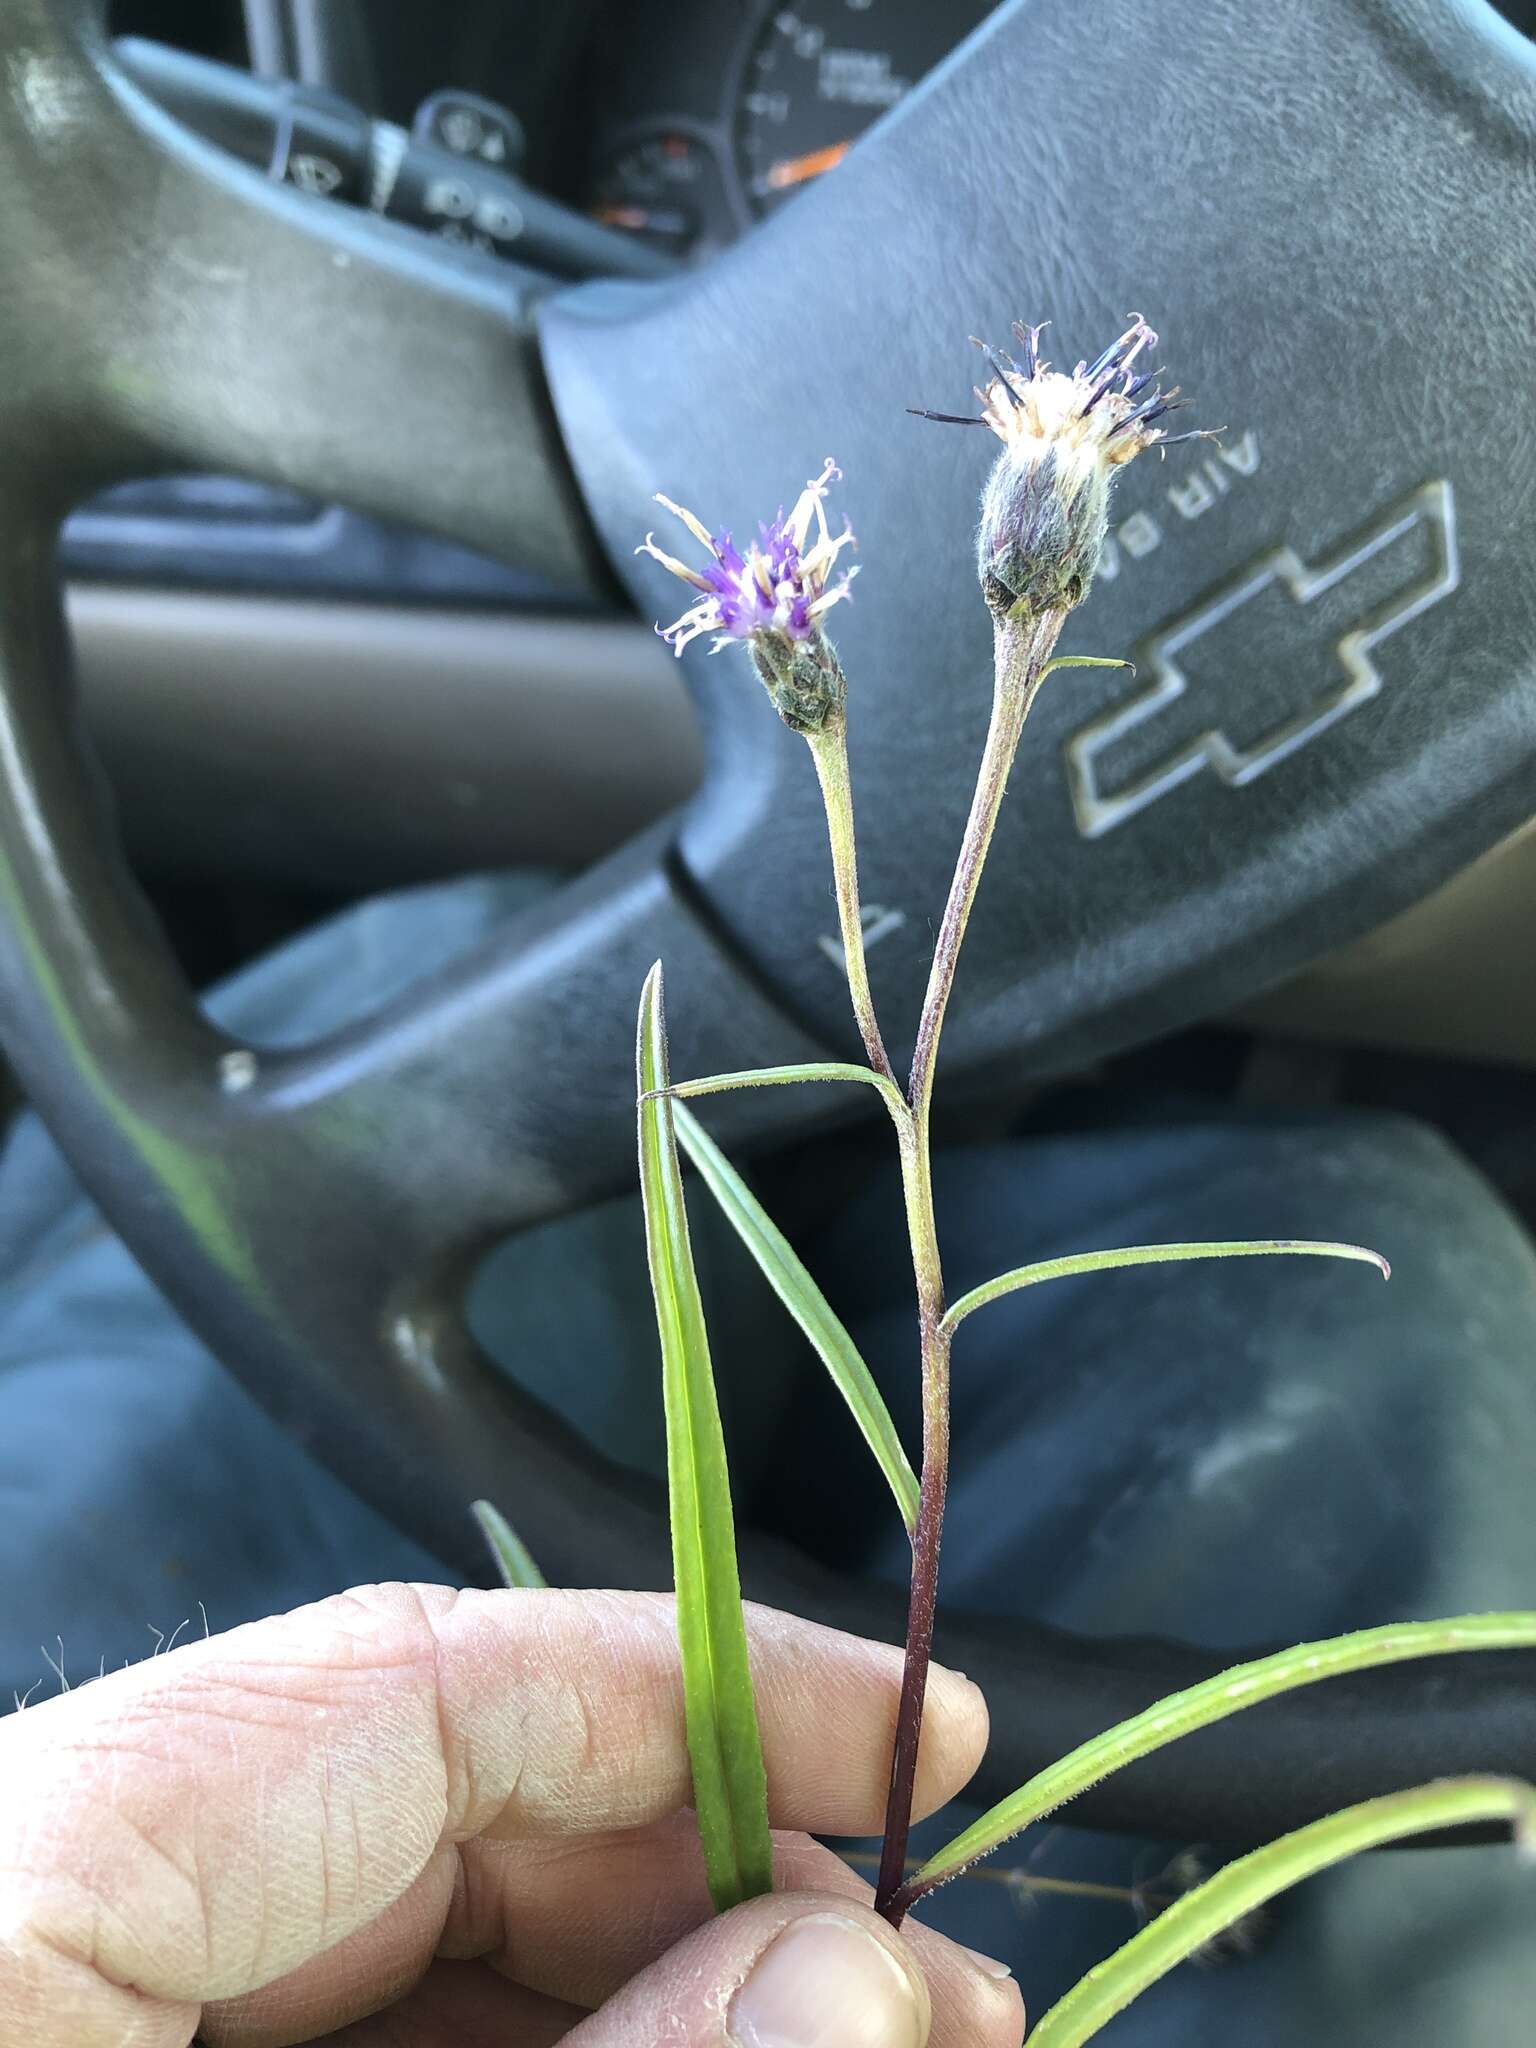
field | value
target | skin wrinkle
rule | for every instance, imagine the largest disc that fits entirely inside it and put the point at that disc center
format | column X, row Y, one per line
column 142, row 2016
column 556, row 1725
column 192, row 1709
column 541, row 1917
column 384, row 1961
column 262, row 1935
column 328, row 1806
column 82, row 1949
column 470, row 2007
column 317, row 1858
column 76, row 1905
column 433, row 1623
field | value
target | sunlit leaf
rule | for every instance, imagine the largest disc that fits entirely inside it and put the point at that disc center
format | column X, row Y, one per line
column 1154, row 1255
column 781, row 1077
column 730, row 1787
column 1085, row 661
column 1244, row 1886
column 806, row 1303
column 1181, row 1713
column 513, row 1558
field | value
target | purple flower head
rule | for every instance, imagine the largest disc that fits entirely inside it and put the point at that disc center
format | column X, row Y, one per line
column 1044, row 512
column 780, row 586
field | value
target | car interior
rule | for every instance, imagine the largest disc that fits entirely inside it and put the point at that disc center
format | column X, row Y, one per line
column 345, row 346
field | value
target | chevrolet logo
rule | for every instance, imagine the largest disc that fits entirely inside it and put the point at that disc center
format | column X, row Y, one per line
column 1100, row 809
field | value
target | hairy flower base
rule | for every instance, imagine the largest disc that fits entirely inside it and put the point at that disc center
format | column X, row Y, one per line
column 804, row 679
column 1044, row 511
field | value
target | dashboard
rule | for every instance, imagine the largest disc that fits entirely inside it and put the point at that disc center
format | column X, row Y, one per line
column 674, row 123
column 678, row 121
column 680, row 124
column 265, row 676
column 709, row 117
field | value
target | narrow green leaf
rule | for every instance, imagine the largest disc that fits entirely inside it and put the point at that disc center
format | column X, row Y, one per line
column 806, row 1303
column 1154, row 1255
column 1242, row 1887
column 1181, row 1713
column 1085, row 661
column 730, row 1785
column 781, row 1077
column 513, row 1558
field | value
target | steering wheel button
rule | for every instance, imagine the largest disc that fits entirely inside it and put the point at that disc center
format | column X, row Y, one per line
column 458, row 200
column 322, row 146
column 468, row 126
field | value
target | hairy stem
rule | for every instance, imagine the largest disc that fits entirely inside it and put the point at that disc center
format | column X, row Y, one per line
column 829, row 750
column 923, row 1596
column 1022, row 650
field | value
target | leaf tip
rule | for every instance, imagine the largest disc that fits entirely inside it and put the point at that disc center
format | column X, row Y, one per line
column 1372, row 1258
column 513, row 1559
column 651, row 1039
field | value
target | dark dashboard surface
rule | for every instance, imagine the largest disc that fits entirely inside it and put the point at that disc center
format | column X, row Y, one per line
column 709, row 117
column 677, row 122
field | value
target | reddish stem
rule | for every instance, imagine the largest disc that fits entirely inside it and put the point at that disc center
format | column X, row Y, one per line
column 1022, row 649
column 921, row 1605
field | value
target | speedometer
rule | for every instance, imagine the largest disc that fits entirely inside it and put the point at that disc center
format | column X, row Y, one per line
column 821, row 72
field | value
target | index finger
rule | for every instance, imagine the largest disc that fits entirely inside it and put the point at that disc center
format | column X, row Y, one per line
column 200, row 1825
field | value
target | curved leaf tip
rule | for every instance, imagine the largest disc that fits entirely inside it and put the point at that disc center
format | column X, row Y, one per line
column 514, row 1560
column 1252, row 1881
column 1075, row 1264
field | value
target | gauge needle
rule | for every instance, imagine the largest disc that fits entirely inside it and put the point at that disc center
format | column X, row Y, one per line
column 794, row 170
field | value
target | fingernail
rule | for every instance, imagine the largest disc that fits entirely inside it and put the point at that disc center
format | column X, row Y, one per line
column 826, row 1982
column 989, row 1966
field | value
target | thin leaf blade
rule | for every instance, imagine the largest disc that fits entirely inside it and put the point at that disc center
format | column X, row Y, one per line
column 784, row 1077
column 1156, row 1255
column 513, row 1558
column 730, row 1783
column 1214, row 1699
column 1249, row 1883
column 1085, row 661
column 781, row 1267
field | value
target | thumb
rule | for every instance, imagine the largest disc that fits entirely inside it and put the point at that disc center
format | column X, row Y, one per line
column 779, row 1972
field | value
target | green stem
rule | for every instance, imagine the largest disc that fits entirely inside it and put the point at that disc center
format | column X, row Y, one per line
column 829, row 751
column 1022, row 651
column 923, row 1595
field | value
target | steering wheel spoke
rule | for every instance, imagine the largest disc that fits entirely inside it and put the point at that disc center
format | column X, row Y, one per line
column 184, row 312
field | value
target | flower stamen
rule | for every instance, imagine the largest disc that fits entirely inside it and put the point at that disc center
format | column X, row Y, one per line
column 770, row 598
column 1044, row 511
column 777, row 587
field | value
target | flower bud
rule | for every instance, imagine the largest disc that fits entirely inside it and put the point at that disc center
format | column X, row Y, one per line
column 803, row 677
column 1045, row 508
column 771, row 597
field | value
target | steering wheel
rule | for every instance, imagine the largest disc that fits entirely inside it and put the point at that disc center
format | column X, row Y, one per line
column 1325, row 208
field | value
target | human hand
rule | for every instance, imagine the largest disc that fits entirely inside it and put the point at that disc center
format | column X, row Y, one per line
column 425, row 1817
